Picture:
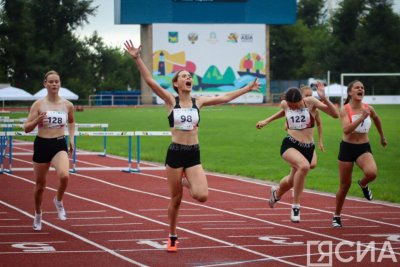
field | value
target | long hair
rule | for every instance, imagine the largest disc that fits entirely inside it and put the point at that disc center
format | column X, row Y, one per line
column 293, row 95
column 349, row 87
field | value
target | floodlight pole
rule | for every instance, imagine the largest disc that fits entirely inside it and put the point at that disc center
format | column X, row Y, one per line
column 146, row 40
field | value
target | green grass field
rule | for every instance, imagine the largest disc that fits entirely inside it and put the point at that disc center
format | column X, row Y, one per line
column 231, row 144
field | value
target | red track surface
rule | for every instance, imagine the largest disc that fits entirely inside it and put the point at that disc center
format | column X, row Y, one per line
column 120, row 219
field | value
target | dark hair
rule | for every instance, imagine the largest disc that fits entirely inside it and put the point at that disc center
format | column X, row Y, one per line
column 175, row 79
column 293, row 95
column 49, row 73
column 349, row 87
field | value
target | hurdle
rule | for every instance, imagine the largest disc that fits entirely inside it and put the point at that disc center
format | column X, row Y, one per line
column 130, row 135
column 7, row 127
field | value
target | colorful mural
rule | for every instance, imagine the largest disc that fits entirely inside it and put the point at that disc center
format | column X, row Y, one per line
column 220, row 58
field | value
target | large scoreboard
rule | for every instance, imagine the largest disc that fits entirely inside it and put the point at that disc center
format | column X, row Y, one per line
column 269, row 12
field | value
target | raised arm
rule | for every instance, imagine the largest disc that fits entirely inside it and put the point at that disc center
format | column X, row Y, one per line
column 148, row 78
column 225, row 98
column 325, row 105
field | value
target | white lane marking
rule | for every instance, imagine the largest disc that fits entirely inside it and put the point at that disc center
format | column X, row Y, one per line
column 75, row 235
column 29, row 233
column 95, row 218
column 225, row 222
column 104, row 224
column 237, row 228
column 152, row 220
column 126, row 231
column 216, row 209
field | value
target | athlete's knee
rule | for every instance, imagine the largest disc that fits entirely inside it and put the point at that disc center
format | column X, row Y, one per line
column 370, row 175
column 201, row 196
column 303, row 167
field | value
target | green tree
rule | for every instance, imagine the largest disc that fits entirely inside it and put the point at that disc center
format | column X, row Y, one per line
column 367, row 36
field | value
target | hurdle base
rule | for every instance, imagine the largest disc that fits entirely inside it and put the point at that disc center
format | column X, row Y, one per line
column 130, row 170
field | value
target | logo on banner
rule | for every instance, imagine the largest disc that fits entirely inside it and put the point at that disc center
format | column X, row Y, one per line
column 246, row 38
column 232, row 38
column 193, row 37
column 212, row 38
column 173, row 37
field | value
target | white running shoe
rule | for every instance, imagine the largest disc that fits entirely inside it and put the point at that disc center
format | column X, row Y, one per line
column 37, row 222
column 273, row 199
column 295, row 214
column 60, row 209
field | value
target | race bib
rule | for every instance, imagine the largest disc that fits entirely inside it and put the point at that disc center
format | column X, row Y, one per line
column 298, row 119
column 185, row 118
column 56, row 119
column 364, row 126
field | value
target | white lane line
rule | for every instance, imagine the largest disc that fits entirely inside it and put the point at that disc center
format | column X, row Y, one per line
column 151, row 239
column 236, row 246
column 193, row 215
column 209, row 207
column 33, row 242
column 104, row 224
column 248, row 180
column 286, row 214
column 30, row 233
column 232, row 213
column 225, row 222
column 361, row 226
column 78, row 211
column 237, row 228
column 125, row 231
column 241, row 236
column 164, row 209
column 357, row 207
column 16, row 226
column 9, row 219
column 378, row 212
column 95, row 218
column 110, row 251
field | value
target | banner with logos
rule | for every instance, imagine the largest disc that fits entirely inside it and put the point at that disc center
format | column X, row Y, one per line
column 220, row 57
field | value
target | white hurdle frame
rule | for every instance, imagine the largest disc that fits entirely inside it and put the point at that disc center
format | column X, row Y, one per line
column 7, row 127
column 138, row 134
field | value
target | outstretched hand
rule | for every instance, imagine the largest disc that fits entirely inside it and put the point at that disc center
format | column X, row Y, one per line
column 321, row 90
column 132, row 50
column 255, row 85
column 261, row 124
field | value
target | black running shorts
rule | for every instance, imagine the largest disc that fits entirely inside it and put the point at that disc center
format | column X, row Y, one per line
column 44, row 149
column 185, row 156
column 349, row 152
column 307, row 150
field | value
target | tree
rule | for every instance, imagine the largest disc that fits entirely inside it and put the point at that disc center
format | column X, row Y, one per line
column 367, row 34
column 36, row 36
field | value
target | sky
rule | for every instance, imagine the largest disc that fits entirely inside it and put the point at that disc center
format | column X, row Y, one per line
column 112, row 34
column 115, row 35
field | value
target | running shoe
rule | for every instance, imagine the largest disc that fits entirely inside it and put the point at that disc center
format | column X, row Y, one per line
column 37, row 222
column 172, row 244
column 273, row 199
column 336, row 222
column 295, row 214
column 366, row 191
column 60, row 209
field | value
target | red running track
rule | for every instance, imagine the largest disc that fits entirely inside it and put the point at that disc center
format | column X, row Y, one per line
column 120, row 219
